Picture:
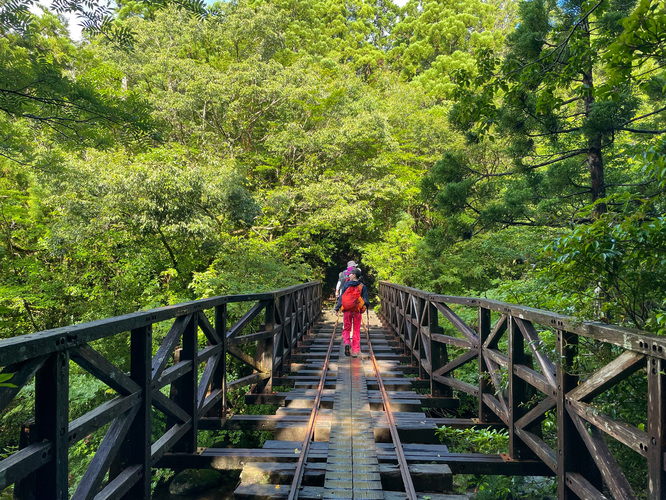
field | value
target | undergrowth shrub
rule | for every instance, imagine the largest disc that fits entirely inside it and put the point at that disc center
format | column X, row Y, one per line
column 485, row 487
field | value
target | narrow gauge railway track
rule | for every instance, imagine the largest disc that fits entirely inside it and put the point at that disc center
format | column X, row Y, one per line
column 402, row 460
column 309, row 434
column 347, row 427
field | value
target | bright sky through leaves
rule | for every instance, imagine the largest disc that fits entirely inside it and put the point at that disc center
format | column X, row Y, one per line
column 75, row 27
column 72, row 22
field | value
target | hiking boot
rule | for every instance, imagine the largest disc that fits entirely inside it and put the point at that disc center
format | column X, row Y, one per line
column 355, row 353
column 347, row 350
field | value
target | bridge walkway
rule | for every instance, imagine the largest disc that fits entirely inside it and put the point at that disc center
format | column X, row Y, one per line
column 519, row 375
column 339, row 422
column 352, row 455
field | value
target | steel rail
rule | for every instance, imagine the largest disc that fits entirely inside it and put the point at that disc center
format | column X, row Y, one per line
column 300, row 466
column 400, row 453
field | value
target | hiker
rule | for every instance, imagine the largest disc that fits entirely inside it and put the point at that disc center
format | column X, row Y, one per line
column 344, row 276
column 353, row 301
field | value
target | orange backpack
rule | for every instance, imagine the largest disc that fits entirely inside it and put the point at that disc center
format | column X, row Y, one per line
column 351, row 299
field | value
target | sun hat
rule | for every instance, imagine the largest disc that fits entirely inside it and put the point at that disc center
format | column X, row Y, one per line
column 351, row 263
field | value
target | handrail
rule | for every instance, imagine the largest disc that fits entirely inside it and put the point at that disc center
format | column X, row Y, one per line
column 518, row 382
column 628, row 338
column 22, row 347
column 127, row 452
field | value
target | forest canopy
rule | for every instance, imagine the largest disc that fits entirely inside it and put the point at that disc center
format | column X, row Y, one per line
column 512, row 149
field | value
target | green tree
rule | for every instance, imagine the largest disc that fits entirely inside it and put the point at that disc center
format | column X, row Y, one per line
column 436, row 38
column 614, row 266
column 642, row 42
column 548, row 97
column 351, row 32
column 44, row 97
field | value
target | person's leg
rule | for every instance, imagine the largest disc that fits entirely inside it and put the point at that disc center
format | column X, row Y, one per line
column 347, row 326
column 356, row 340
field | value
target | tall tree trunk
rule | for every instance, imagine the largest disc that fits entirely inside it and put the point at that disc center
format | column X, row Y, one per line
column 596, row 165
column 595, row 161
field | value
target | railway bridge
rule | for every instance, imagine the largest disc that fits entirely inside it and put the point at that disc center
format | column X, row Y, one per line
column 344, row 427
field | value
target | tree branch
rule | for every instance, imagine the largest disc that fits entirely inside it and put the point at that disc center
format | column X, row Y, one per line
column 168, row 247
column 560, row 47
column 638, row 184
column 645, row 116
column 555, row 132
column 10, row 158
column 642, row 131
column 559, row 158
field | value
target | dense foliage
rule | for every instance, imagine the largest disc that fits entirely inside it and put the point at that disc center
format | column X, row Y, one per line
column 500, row 147
column 448, row 146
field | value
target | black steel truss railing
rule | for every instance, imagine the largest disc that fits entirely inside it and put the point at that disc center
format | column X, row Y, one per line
column 196, row 377
column 524, row 377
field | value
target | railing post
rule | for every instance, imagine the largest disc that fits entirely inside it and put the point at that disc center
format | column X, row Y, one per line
column 265, row 357
column 398, row 320
column 382, row 300
column 426, row 331
column 293, row 326
column 392, row 295
column 289, row 323
column 136, row 447
column 421, row 316
column 221, row 370
column 184, row 390
column 303, row 304
column 517, row 390
column 282, row 343
column 426, row 339
column 409, row 327
column 297, row 318
column 656, row 428
column 572, row 454
column 51, row 424
column 485, row 415
column 318, row 302
column 390, row 313
column 308, row 294
column 26, row 488
column 439, row 354
column 383, row 304
column 314, row 306
column 567, row 347
column 404, row 324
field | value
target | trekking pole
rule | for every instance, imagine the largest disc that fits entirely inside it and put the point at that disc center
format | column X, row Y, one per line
column 366, row 325
column 337, row 318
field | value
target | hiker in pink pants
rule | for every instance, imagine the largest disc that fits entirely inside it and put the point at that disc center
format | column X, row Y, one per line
column 353, row 301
